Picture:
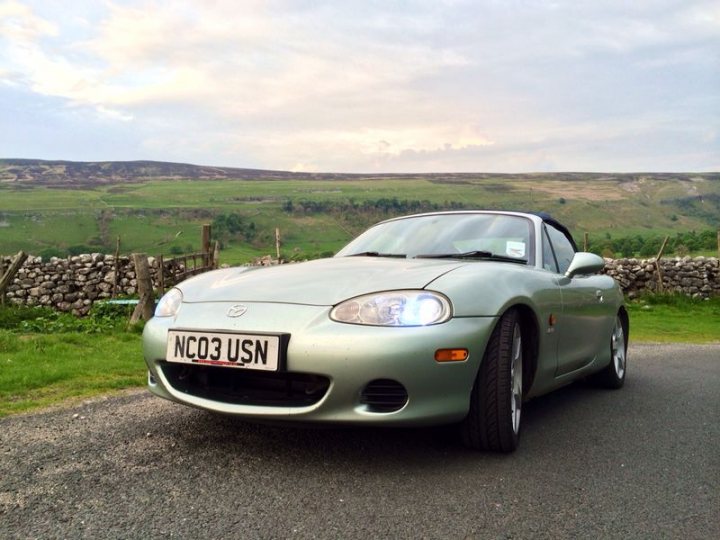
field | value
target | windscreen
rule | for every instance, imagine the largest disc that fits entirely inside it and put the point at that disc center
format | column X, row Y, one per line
column 447, row 234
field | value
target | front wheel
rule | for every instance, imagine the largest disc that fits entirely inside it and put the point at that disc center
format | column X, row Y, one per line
column 493, row 421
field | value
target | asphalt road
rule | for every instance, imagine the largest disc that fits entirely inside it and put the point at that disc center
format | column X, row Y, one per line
column 641, row 462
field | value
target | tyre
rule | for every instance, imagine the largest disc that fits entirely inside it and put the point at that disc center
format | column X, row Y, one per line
column 493, row 421
column 613, row 376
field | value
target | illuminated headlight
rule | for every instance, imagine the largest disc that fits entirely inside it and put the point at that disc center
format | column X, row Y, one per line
column 169, row 304
column 394, row 308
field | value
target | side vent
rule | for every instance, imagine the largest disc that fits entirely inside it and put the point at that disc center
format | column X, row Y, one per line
column 384, row 396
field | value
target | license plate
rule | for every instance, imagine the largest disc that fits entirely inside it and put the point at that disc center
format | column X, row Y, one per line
column 226, row 349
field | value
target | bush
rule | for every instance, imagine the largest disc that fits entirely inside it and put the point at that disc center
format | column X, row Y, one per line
column 80, row 249
column 48, row 253
column 102, row 318
column 13, row 316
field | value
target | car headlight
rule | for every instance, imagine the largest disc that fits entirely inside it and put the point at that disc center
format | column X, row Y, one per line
column 394, row 308
column 169, row 304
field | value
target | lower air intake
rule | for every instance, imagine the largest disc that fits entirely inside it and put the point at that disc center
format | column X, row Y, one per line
column 384, row 396
column 245, row 387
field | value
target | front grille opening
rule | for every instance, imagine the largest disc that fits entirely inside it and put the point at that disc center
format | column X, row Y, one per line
column 245, row 387
column 383, row 396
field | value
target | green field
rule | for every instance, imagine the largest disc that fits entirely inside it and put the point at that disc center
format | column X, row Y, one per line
column 165, row 216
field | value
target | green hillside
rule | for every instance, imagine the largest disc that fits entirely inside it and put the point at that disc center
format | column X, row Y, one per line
column 62, row 207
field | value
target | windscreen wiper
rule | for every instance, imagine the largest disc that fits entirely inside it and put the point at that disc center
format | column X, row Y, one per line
column 488, row 255
column 378, row 254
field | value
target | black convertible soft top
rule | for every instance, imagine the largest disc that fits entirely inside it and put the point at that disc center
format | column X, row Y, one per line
column 547, row 218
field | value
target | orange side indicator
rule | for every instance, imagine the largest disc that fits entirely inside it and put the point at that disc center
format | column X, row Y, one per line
column 451, row 355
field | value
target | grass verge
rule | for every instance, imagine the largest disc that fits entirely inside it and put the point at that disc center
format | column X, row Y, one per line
column 47, row 356
column 37, row 370
column 674, row 319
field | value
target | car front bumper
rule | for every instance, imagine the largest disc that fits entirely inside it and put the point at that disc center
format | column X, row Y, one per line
column 348, row 356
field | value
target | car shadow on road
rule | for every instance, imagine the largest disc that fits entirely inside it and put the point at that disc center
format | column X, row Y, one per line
column 566, row 416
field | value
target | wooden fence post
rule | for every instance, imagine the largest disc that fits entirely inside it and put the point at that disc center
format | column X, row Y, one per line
column 657, row 265
column 585, row 242
column 116, row 281
column 8, row 276
column 4, row 266
column 161, row 274
column 206, row 233
column 277, row 243
column 146, row 306
column 216, row 256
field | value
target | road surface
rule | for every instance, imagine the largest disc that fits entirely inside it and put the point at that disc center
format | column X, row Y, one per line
column 641, row 462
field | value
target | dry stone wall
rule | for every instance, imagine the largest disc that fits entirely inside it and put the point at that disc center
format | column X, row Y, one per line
column 698, row 277
column 73, row 284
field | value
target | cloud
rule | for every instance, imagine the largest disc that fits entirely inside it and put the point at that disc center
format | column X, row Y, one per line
column 18, row 23
column 356, row 86
column 112, row 114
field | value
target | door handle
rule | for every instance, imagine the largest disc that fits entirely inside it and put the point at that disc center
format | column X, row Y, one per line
column 599, row 296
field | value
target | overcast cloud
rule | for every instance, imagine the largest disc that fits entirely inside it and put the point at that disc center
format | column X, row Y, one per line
column 417, row 86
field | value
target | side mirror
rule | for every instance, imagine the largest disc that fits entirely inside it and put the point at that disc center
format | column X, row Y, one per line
column 585, row 263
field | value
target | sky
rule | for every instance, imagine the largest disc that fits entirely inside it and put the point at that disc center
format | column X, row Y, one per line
column 365, row 86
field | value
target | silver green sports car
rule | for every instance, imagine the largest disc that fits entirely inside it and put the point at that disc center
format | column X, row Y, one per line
column 447, row 317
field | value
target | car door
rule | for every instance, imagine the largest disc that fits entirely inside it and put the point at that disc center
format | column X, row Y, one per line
column 580, row 326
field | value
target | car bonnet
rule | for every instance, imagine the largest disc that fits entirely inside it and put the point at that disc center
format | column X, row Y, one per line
column 323, row 282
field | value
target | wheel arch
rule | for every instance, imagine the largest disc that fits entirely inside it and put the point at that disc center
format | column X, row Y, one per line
column 531, row 344
column 531, row 341
column 530, row 326
column 625, row 320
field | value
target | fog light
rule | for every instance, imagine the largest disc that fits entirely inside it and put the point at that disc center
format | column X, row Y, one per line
column 451, row 355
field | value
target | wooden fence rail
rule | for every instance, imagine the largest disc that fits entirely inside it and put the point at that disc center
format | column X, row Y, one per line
column 170, row 272
column 173, row 270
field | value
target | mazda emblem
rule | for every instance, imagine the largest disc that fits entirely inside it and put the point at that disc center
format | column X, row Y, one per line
column 237, row 310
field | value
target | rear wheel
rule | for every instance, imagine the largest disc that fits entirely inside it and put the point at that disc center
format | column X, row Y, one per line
column 493, row 421
column 613, row 376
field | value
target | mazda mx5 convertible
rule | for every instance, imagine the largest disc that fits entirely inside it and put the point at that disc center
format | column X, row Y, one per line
column 439, row 318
